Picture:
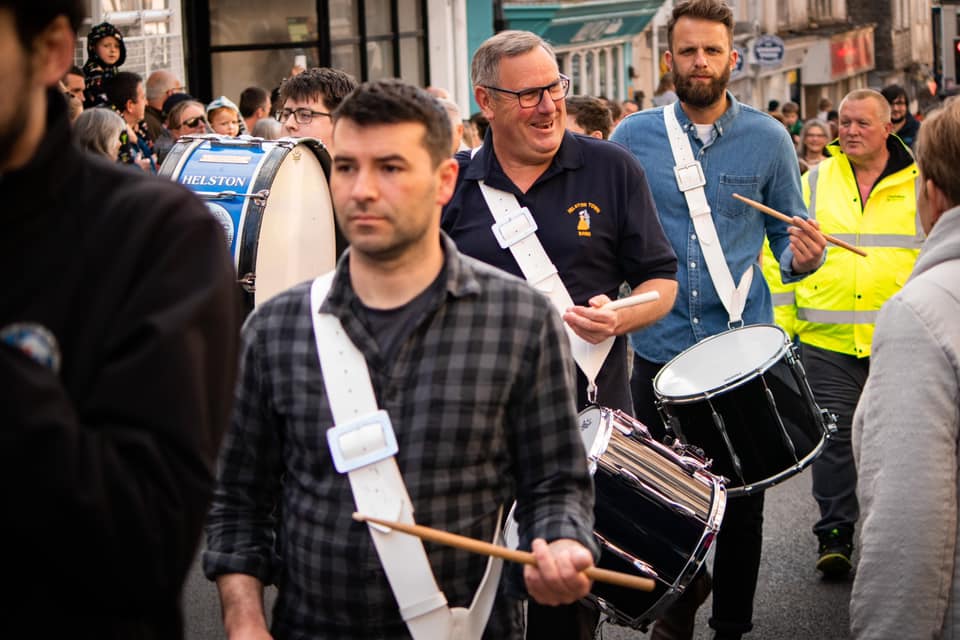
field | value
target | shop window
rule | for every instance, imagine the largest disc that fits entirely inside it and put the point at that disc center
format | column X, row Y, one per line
column 254, row 22
column 253, row 43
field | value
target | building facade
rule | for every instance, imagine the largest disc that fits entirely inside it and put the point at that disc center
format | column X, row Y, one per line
column 797, row 50
column 904, row 45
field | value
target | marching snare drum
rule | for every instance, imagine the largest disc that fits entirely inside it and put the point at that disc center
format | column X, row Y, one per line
column 742, row 396
column 657, row 512
column 272, row 199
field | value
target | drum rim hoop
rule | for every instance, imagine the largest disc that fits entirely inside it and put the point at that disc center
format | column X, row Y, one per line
column 731, row 384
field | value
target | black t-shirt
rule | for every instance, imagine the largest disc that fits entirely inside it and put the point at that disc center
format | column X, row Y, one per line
column 596, row 220
column 390, row 327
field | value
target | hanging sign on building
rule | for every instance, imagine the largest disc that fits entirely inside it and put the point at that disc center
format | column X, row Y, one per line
column 768, row 50
column 737, row 71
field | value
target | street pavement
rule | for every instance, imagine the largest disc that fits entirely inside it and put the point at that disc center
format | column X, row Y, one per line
column 792, row 602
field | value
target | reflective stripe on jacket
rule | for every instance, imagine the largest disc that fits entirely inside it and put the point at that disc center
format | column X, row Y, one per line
column 837, row 305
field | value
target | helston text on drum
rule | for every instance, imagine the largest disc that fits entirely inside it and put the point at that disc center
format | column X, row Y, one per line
column 214, row 181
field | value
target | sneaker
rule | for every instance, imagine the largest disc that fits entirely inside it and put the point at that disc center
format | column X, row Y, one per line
column 836, row 548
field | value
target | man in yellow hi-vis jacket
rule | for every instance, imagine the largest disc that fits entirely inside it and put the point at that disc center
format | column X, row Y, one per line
column 864, row 194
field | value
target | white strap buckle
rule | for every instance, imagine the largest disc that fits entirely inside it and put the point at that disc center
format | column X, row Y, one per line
column 514, row 227
column 363, row 441
column 690, row 176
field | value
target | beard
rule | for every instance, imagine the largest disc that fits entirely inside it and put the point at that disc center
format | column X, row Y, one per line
column 899, row 120
column 699, row 95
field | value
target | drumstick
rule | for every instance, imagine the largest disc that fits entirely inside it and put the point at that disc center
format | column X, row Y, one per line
column 521, row 557
column 629, row 301
column 779, row 216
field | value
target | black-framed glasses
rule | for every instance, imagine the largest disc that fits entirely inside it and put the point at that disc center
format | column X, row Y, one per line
column 303, row 116
column 531, row 97
column 192, row 122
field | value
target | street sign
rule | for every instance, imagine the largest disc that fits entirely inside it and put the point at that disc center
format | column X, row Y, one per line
column 741, row 59
column 768, row 50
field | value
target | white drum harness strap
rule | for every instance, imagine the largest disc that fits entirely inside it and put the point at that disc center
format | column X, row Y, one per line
column 690, row 181
column 363, row 445
column 516, row 230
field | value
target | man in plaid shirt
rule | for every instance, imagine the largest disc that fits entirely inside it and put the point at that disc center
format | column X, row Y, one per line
column 473, row 368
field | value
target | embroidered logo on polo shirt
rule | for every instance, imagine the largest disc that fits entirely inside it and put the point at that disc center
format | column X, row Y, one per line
column 583, row 211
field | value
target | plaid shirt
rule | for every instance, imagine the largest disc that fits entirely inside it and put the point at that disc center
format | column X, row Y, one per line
column 481, row 398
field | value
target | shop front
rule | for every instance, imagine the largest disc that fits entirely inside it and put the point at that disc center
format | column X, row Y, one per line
column 233, row 44
column 837, row 64
column 593, row 40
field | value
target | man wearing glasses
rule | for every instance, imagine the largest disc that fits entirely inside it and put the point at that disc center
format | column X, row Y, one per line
column 591, row 210
column 309, row 98
column 904, row 124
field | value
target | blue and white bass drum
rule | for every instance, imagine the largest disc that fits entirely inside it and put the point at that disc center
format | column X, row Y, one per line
column 273, row 200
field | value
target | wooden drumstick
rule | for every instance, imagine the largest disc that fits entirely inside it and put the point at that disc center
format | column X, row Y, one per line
column 779, row 216
column 485, row 548
column 629, row 301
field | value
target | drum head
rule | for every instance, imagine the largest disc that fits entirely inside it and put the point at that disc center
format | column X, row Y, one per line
column 297, row 237
column 721, row 361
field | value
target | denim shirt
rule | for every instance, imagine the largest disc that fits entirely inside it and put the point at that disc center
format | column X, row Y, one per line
column 751, row 154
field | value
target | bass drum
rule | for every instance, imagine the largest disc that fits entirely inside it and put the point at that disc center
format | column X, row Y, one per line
column 273, row 201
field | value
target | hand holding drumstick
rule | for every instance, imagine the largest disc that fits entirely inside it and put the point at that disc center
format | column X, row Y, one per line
column 798, row 229
column 539, row 562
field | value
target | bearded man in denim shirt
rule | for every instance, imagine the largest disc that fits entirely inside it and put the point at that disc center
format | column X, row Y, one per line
column 741, row 150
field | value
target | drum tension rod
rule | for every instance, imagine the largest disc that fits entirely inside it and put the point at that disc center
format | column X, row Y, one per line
column 248, row 282
column 259, row 197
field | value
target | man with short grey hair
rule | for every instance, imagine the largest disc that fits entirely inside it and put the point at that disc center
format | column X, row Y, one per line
column 864, row 192
column 160, row 85
column 593, row 215
column 456, row 124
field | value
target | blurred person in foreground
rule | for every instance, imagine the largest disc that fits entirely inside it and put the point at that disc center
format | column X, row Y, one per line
column 906, row 429
column 117, row 357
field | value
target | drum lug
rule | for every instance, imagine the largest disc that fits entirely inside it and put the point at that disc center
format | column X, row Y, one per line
column 830, row 422
column 248, row 282
column 629, row 558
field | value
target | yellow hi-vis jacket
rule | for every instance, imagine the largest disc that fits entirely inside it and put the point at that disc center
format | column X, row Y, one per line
column 837, row 305
column 784, row 298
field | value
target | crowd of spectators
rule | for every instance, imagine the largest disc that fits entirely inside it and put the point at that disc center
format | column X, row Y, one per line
column 157, row 112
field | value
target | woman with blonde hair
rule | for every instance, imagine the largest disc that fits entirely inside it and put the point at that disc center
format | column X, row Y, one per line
column 812, row 147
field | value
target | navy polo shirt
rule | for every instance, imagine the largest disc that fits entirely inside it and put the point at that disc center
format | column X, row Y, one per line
column 596, row 220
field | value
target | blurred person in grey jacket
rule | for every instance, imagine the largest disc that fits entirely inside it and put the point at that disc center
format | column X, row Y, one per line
column 907, row 424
